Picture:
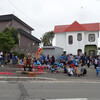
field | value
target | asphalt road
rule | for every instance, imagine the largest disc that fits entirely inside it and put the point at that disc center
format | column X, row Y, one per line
column 91, row 74
column 31, row 90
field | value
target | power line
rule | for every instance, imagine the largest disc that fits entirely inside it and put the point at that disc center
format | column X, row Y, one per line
column 16, row 7
column 3, row 10
column 39, row 25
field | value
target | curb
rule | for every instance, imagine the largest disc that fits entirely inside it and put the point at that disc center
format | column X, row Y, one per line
column 3, row 78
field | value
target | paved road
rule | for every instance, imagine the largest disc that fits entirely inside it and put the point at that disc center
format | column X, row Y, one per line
column 32, row 90
column 9, row 91
column 91, row 74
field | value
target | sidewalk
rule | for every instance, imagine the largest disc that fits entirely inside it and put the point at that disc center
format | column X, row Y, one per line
column 18, row 76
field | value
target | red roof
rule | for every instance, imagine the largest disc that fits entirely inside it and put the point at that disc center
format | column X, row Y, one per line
column 92, row 26
column 60, row 28
column 77, row 27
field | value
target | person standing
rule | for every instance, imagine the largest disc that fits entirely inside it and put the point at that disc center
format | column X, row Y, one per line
column 6, row 58
column 1, row 58
column 28, row 62
column 53, row 59
column 83, row 60
column 95, row 63
column 97, row 71
column 48, row 58
column 88, row 62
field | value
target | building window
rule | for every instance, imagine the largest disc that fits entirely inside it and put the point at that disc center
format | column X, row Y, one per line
column 70, row 39
column 91, row 37
column 79, row 36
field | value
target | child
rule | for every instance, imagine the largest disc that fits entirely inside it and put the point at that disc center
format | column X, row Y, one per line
column 24, row 61
column 70, row 72
column 60, row 65
column 77, row 71
column 49, row 66
column 38, row 62
column 20, row 62
column 97, row 71
column 65, row 69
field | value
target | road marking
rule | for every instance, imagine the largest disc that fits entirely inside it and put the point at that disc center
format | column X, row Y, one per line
column 46, row 80
column 86, row 82
column 27, row 71
column 69, row 99
column 34, row 78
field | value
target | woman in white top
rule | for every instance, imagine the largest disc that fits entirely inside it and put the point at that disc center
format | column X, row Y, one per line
column 1, row 58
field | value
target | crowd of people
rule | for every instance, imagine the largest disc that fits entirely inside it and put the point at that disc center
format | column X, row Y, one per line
column 7, row 58
column 72, row 65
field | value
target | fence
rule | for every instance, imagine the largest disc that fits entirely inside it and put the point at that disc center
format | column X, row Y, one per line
column 25, row 50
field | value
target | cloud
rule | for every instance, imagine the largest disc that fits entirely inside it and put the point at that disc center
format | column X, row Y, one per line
column 43, row 15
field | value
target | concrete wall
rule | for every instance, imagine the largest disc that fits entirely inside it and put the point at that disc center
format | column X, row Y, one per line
column 56, row 51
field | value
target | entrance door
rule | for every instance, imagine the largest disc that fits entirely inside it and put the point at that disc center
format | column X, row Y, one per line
column 92, row 53
column 90, row 50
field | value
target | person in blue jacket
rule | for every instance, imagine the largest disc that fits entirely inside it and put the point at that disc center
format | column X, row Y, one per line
column 97, row 71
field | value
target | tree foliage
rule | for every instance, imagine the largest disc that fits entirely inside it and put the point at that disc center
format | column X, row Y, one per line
column 14, row 33
column 47, row 38
column 8, row 39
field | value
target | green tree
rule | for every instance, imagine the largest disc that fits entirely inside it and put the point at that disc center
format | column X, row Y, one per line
column 14, row 34
column 8, row 39
column 47, row 38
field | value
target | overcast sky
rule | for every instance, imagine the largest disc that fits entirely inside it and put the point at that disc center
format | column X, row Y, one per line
column 43, row 15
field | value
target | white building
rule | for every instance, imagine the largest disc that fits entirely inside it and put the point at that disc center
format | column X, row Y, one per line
column 78, row 38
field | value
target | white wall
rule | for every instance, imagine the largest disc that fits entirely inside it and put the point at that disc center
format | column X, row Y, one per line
column 62, row 41
column 72, row 48
column 87, row 40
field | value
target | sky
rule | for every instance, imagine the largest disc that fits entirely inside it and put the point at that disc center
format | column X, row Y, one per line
column 43, row 15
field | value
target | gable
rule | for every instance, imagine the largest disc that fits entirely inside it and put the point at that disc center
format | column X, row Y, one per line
column 77, row 27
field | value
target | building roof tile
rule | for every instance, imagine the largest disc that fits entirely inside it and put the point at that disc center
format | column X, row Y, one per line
column 77, row 27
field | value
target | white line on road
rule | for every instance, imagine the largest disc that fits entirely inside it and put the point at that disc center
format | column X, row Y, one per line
column 36, row 78
column 69, row 99
column 65, row 82
column 46, row 80
column 51, row 82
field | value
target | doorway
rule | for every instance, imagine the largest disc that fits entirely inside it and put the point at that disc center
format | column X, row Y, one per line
column 92, row 53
